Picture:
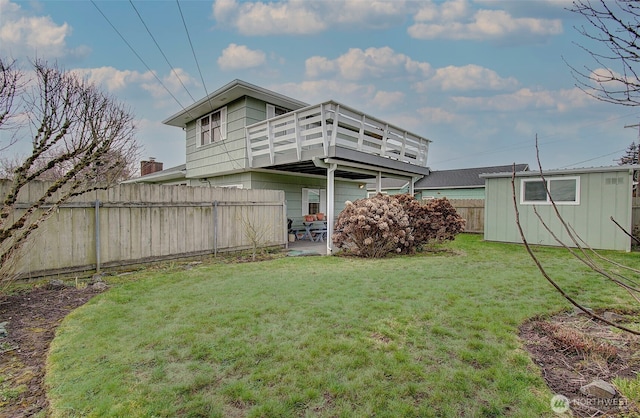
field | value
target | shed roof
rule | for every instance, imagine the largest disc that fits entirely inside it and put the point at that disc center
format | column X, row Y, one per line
column 463, row 178
column 570, row 171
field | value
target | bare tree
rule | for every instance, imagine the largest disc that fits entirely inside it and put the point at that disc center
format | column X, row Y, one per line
column 582, row 252
column 616, row 27
column 80, row 137
column 11, row 85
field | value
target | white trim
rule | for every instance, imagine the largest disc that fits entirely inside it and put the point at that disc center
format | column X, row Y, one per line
column 549, row 181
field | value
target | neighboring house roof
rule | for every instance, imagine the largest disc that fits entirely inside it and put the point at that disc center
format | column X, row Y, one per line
column 173, row 173
column 606, row 169
column 226, row 94
column 463, row 178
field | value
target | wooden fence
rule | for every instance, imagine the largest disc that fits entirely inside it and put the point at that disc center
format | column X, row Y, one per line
column 138, row 223
column 472, row 210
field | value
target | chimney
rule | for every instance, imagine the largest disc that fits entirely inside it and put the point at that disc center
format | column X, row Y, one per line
column 151, row 166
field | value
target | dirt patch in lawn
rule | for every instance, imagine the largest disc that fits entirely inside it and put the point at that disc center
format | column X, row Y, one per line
column 573, row 350
column 31, row 317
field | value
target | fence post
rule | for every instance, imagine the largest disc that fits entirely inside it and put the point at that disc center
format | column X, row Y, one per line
column 215, row 228
column 97, row 234
column 286, row 224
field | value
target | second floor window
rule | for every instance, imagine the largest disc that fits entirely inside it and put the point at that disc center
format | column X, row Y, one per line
column 211, row 128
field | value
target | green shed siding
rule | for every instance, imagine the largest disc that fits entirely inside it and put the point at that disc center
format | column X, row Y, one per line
column 600, row 198
column 462, row 193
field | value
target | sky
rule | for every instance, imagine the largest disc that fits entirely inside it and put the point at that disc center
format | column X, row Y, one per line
column 481, row 79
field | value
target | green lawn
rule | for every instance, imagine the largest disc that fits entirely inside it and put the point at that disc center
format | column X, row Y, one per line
column 426, row 335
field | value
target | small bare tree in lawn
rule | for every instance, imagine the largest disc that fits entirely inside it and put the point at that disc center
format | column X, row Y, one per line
column 81, row 140
column 608, row 269
column 256, row 229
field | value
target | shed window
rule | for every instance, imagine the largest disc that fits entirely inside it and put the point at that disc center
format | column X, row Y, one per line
column 212, row 127
column 562, row 190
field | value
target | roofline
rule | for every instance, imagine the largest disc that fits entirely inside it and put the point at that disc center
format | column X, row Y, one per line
column 173, row 173
column 556, row 172
column 217, row 99
column 473, row 186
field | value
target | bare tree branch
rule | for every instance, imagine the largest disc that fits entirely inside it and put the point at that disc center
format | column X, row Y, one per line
column 616, row 27
column 83, row 140
column 543, row 271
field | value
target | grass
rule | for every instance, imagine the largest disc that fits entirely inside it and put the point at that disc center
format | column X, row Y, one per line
column 425, row 335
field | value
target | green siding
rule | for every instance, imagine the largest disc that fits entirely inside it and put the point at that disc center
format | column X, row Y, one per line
column 293, row 185
column 222, row 156
column 470, row 193
column 600, row 199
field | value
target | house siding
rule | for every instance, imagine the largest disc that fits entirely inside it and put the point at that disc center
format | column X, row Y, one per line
column 600, row 199
column 293, row 185
column 222, row 156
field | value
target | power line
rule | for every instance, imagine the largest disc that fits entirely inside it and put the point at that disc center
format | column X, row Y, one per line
column 160, row 49
column 592, row 159
column 527, row 143
column 195, row 57
column 138, row 56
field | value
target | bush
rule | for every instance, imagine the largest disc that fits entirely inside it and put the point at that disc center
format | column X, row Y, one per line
column 380, row 225
column 443, row 223
column 373, row 227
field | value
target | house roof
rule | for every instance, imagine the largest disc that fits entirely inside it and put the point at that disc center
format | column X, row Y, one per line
column 226, row 94
column 571, row 171
column 463, row 178
column 173, row 173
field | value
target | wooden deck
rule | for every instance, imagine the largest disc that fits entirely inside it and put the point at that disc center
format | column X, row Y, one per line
column 312, row 131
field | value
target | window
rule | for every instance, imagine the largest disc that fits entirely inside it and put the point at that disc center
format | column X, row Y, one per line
column 314, row 201
column 273, row 111
column 211, row 128
column 563, row 191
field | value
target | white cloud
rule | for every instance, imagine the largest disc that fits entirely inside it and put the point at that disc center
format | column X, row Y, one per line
column 454, row 20
column 299, row 17
column 357, row 64
column 436, row 115
column 468, row 77
column 525, row 99
column 388, row 99
column 238, row 57
column 112, row 78
column 318, row 91
column 20, row 33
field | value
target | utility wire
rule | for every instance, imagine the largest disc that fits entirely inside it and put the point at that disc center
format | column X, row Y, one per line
column 526, row 143
column 161, row 51
column 138, row 56
column 195, row 57
column 595, row 158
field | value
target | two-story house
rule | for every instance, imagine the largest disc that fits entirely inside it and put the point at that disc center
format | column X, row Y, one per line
column 322, row 155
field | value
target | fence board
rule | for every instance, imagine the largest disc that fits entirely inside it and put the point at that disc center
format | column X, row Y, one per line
column 472, row 210
column 146, row 222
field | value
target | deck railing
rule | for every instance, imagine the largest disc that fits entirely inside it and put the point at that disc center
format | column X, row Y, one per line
column 329, row 124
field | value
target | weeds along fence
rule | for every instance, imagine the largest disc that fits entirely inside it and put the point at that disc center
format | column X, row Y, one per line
column 472, row 210
column 139, row 223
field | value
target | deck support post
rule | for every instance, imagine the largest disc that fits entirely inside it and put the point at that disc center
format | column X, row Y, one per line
column 331, row 172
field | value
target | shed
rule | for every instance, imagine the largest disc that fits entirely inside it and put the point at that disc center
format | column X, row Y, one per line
column 586, row 199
